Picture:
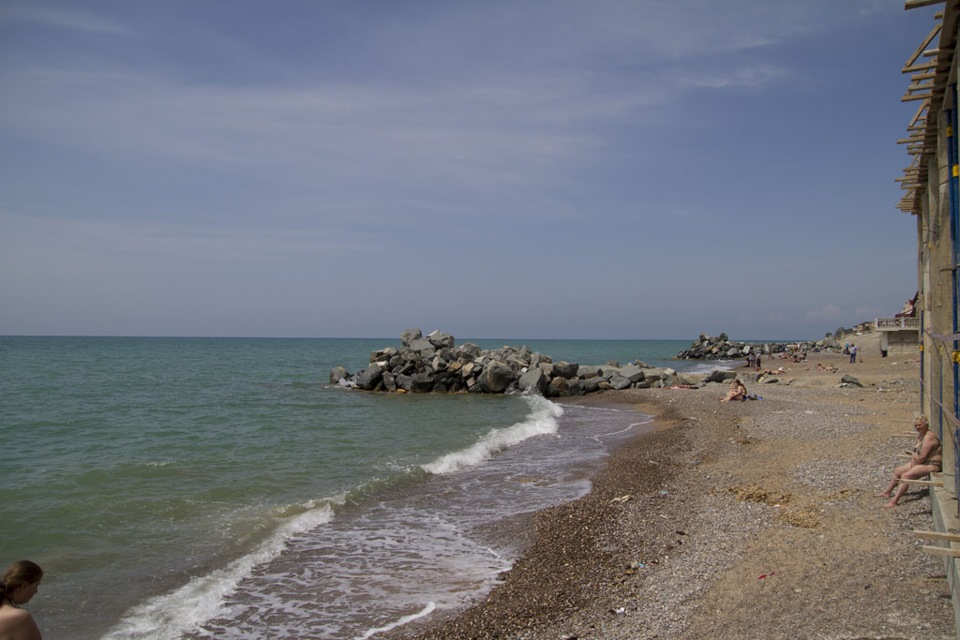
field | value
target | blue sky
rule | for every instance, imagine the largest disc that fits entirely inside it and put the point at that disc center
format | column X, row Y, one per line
column 516, row 169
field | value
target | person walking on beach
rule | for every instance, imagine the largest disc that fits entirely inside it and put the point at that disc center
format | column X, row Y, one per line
column 853, row 354
column 926, row 458
column 20, row 583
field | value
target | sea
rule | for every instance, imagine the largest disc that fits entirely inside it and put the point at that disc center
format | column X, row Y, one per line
column 194, row 488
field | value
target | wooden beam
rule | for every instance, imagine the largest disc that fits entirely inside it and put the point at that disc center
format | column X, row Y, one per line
column 916, row 4
column 909, row 66
column 937, row 535
column 926, row 483
column 941, row 551
column 923, row 66
column 911, row 98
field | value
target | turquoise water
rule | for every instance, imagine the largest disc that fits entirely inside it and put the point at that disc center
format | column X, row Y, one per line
column 219, row 487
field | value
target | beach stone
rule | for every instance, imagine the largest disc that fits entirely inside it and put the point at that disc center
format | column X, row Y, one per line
column 422, row 345
column 587, row 371
column 389, row 381
column 566, row 370
column 533, row 380
column 337, row 374
column 720, row 376
column 439, row 339
column 619, row 382
column 370, row 378
column 850, row 380
column 632, row 372
column 422, row 382
column 497, row 377
column 468, row 350
column 559, row 388
column 592, row 384
column 409, row 335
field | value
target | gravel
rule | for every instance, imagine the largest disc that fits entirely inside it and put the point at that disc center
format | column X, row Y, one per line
column 736, row 520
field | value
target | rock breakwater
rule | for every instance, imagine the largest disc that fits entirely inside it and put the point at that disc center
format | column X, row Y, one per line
column 721, row 348
column 434, row 363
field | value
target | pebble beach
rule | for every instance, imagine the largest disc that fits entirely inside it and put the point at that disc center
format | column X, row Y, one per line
column 736, row 520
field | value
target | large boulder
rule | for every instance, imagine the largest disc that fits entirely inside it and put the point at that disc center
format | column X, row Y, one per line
column 439, row 339
column 337, row 374
column 534, row 380
column 566, row 370
column 632, row 372
column 370, row 378
column 423, row 347
column 409, row 335
column 497, row 377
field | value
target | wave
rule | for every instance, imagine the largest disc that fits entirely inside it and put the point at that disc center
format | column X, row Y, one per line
column 169, row 616
column 542, row 420
column 427, row 610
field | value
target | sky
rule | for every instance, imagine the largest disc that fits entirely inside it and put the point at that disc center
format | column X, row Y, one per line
column 612, row 169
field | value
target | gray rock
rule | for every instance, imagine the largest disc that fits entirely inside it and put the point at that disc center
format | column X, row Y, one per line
column 850, row 380
column 632, row 372
column 559, row 388
column 409, row 335
column 533, row 380
column 588, row 371
column 337, row 374
column 496, row 377
column 720, row 376
column 370, row 378
column 439, row 339
column 566, row 370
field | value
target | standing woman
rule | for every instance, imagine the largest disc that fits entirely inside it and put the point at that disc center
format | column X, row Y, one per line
column 20, row 583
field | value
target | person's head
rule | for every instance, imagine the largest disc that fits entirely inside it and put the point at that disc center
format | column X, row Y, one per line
column 921, row 423
column 21, row 581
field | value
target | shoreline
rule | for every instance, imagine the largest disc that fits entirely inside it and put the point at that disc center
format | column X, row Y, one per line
column 734, row 520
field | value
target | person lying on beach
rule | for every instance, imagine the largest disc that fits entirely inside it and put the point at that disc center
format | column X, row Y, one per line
column 828, row 369
column 925, row 458
column 737, row 391
column 19, row 584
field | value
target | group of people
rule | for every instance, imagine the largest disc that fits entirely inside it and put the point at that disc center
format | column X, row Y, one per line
column 20, row 583
column 926, row 457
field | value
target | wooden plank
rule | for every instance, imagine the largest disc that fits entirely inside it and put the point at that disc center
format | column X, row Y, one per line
column 909, row 66
column 942, row 551
column 937, row 535
column 926, row 483
column 916, row 4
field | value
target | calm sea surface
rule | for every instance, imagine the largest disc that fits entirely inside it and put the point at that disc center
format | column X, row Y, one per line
column 220, row 488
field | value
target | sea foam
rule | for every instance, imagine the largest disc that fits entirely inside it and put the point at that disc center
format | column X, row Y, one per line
column 170, row 615
column 542, row 420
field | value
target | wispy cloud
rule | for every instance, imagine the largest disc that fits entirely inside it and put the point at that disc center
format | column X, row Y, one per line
column 64, row 19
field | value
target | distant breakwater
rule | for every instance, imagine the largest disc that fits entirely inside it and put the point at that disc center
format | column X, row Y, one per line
column 721, row 348
column 435, row 364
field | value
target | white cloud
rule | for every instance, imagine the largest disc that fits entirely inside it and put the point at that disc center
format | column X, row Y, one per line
column 65, row 19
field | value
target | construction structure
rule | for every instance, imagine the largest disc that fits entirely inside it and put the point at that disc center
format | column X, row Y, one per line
column 930, row 184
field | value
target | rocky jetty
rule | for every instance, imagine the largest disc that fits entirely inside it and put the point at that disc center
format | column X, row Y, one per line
column 721, row 348
column 434, row 363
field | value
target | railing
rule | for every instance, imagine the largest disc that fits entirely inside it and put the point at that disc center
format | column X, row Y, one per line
column 899, row 323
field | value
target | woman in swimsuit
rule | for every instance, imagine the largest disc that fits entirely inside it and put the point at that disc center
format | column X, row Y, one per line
column 20, row 583
column 926, row 458
column 737, row 391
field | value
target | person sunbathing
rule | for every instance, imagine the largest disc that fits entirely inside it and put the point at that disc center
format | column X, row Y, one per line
column 926, row 458
column 737, row 391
